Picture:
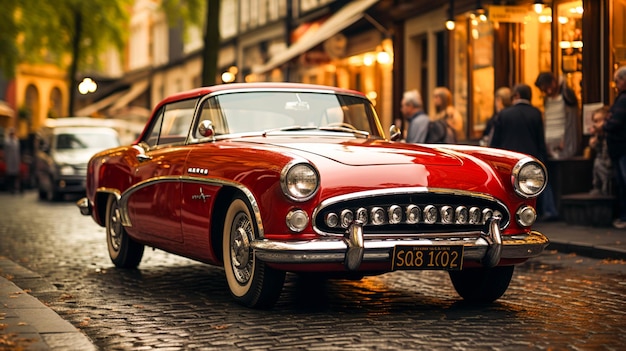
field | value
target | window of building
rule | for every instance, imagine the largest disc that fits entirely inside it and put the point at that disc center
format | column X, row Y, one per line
column 618, row 41
column 570, row 40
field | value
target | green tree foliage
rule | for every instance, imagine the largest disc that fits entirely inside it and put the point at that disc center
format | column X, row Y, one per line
column 70, row 33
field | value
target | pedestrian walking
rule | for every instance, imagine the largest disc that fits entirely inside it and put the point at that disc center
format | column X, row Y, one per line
column 520, row 128
column 417, row 120
column 615, row 128
column 562, row 116
column 12, row 161
column 502, row 99
column 444, row 109
column 602, row 176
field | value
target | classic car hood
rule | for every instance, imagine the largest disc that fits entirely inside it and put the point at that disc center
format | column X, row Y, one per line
column 367, row 152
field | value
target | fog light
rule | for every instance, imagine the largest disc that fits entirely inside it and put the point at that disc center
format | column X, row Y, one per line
column 430, row 214
column 332, row 220
column 413, row 214
column 395, row 214
column 297, row 220
column 526, row 216
column 378, row 216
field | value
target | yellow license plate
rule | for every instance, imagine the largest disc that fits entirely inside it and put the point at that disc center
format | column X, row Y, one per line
column 411, row 257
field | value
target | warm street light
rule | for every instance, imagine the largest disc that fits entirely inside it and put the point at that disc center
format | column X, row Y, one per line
column 87, row 86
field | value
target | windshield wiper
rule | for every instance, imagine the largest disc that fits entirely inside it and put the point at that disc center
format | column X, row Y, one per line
column 288, row 129
column 344, row 129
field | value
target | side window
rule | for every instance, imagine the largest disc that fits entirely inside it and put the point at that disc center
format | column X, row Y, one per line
column 172, row 123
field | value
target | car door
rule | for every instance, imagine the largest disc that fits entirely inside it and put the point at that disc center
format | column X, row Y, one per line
column 154, row 203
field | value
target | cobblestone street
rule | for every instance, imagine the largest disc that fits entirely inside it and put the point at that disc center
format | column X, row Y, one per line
column 554, row 302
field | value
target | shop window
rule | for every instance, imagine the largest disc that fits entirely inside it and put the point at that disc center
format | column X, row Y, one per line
column 570, row 48
column 618, row 44
column 460, row 85
column 482, row 75
column 536, row 49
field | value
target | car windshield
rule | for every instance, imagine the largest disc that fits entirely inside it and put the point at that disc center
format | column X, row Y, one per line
column 274, row 112
column 86, row 141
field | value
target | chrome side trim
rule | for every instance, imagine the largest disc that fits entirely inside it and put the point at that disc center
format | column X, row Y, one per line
column 125, row 196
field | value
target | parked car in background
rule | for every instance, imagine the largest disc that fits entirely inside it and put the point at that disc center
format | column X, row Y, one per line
column 64, row 146
column 269, row 178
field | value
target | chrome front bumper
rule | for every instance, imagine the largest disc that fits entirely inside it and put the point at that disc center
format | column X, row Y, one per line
column 84, row 206
column 352, row 249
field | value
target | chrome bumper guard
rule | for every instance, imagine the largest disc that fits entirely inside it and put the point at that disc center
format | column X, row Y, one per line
column 84, row 207
column 352, row 249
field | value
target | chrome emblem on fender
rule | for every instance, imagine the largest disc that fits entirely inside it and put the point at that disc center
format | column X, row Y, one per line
column 200, row 196
column 196, row 170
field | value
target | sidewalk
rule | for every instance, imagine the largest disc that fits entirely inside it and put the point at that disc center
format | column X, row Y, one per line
column 27, row 324
column 595, row 242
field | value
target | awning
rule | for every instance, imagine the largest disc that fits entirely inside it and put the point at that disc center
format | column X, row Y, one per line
column 99, row 105
column 6, row 110
column 345, row 17
column 135, row 90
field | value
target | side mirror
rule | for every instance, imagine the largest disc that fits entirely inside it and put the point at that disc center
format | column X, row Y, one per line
column 394, row 133
column 205, row 129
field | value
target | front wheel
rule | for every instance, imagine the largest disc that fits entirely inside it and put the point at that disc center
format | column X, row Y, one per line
column 123, row 251
column 482, row 284
column 252, row 283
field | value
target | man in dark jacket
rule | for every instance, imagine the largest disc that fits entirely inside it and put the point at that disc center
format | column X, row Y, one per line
column 520, row 128
column 615, row 128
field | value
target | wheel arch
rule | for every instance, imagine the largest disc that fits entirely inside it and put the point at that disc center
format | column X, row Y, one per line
column 220, row 206
column 100, row 203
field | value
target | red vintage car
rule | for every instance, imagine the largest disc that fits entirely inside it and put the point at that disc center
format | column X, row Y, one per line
column 269, row 178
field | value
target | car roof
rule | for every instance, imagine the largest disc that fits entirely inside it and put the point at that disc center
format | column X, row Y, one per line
column 74, row 122
column 233, row 87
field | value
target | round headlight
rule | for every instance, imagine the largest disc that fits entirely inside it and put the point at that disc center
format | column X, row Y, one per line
column 299, row 181
column 67, row 170
column 529, row 178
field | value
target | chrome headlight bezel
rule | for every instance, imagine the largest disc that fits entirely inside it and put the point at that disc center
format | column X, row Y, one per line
column 299, row 181
column 529, row 178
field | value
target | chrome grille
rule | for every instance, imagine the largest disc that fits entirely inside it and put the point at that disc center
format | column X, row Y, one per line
column 401, row 213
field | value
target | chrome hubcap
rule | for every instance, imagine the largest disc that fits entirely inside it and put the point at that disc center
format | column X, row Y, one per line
column 115, row 231
column 240, row 253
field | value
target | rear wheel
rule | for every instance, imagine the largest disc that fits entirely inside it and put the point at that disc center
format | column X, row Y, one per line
column 252, row 283
column 482, row 284
column 123, row 251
